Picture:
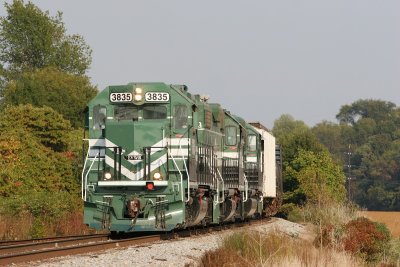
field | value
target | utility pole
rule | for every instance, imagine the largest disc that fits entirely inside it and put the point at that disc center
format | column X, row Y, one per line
column 348, row 153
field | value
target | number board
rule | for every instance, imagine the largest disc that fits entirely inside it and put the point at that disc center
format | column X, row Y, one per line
column 156, row 97
column 133, row 157
column 121, row 97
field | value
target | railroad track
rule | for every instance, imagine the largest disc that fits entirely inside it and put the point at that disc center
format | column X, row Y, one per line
column 4, row 243
column 12, row 252
column 33, row 251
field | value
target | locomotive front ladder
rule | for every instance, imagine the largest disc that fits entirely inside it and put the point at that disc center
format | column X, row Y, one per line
column 104, row 210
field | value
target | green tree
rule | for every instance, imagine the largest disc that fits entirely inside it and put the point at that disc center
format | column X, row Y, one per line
column 66, row 93
column 321, row 180
column 372, row 129
column 37, row 151
column 306, row 162
column 369, row 108
column 294, row 135
column 32, row 39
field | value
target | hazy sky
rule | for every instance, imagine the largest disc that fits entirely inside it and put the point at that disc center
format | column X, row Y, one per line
column 259, row 59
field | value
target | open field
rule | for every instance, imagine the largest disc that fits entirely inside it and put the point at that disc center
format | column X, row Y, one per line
column 390, row 218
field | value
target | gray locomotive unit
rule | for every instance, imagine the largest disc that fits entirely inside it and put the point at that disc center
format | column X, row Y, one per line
column 159, row 158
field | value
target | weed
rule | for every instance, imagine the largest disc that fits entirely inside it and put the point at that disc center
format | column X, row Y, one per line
column 273, row 249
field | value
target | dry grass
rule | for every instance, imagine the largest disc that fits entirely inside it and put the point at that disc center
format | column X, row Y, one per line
column 13, row 228
column 390, row 218
column 25, row 226
column 274, row 249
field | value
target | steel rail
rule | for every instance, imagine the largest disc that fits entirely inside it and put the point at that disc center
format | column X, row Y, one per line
column 74, row 249
column 39, row 240
column 58, row 243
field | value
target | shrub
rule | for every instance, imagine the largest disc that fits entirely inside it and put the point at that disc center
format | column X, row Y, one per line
column 367, row 239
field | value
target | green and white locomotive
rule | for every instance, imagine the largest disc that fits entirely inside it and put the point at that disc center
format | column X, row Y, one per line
column 160, row 158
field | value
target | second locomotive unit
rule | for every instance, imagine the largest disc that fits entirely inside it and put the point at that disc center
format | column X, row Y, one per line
column 160, row 158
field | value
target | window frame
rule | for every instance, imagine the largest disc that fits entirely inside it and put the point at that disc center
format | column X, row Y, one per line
column 227, row 136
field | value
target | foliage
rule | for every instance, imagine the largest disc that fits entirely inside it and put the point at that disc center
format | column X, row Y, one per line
column 43, row 92
column 370, row 131
column 66, row 93
column 31, row 39
column 35, row 149
column 368, row 239
column 309, row 171
column 320, row 179
column 374, row 109
column 41, row 204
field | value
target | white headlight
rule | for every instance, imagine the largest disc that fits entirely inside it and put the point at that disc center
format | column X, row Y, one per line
column 138, row 90
column 157, row 176
column 107, row 176
column 138, row 98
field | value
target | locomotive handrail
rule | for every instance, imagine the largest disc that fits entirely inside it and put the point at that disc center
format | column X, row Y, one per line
column 186, row 169
column 215, row 180
column 223, row 189
column 246, row 188
column 83, row 171
column 180, row 173
column 87, row 173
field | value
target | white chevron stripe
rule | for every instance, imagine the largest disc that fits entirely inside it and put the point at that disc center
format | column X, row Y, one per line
column 139, row 175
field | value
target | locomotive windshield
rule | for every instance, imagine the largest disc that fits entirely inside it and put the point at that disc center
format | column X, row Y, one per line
column 126, row 113
column 154, row 112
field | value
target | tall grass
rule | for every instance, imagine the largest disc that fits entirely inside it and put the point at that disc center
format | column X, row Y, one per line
column 273, row 249
column 41, row 214
column 26, row 226
column 328, row 219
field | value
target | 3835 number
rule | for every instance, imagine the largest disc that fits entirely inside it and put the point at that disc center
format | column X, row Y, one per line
column 120, row 97
column 156, row 97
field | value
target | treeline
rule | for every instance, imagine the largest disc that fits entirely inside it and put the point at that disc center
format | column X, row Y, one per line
column 357, row 158
column 366, row 142
column 43, row 89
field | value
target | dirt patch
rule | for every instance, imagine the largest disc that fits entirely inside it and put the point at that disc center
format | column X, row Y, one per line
column 390, row 218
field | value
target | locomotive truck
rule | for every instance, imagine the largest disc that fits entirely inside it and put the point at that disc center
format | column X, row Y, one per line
column 159, row 158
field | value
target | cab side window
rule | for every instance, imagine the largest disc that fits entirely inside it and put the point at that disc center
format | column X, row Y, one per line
column 252, row 143
column 99, row 117
column 180, row 117
column 230, row 135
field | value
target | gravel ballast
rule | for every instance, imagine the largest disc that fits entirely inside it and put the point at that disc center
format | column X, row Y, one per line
column 178, row 252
